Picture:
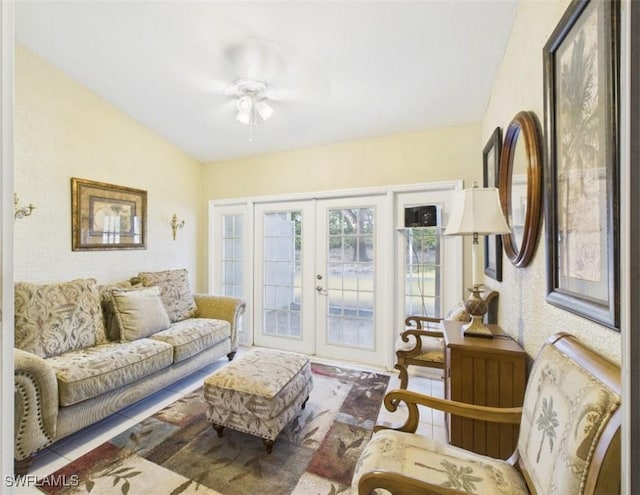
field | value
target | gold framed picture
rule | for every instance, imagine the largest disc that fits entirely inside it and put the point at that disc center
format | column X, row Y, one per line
column 107, row 217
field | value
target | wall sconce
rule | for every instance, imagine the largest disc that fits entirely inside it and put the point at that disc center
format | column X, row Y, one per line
column 21, row 211
column 175, row 225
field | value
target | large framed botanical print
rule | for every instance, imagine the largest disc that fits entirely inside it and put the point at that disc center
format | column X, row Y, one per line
column 581, row 119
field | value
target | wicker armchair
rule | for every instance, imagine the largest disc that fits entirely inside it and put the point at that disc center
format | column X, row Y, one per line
column 421, row 344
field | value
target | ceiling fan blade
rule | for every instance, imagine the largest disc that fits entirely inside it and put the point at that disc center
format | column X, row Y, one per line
column 226, row 110
column 256, row 59
column 272, row 93
column 287, row 75
column 300, row 79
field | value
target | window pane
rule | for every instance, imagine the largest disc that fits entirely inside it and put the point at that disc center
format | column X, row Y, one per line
column 350, row 277
column 232, row 256
column 422, row 272
column 282, row 273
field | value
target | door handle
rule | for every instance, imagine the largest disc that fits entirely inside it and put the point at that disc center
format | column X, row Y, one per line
column 320, row 289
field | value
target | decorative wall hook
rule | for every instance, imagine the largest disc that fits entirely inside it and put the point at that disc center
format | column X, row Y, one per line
column 175, row 225
column 21, row 211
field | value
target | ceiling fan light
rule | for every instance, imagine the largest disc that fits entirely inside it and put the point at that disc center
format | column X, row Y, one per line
column 264, row 110
column 244, row 104
column 244, row 117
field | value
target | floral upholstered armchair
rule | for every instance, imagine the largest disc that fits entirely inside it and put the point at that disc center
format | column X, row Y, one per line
column 569, row 441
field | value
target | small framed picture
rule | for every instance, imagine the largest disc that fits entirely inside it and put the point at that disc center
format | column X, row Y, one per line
column 491, row 173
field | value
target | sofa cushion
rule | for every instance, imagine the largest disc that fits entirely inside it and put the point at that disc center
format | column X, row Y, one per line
column 87, row 373
column 189, row 337
column 175, row 292
column 52, row 319
column 441, row 464
column 140, row 313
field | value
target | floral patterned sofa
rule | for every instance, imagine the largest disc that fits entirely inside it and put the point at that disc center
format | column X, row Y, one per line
column 84, row 351
column 569, row 441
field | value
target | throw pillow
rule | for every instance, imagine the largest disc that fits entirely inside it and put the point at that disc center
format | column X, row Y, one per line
column 140, row 313
column 112, row 327
column 51, row 319
column 175, row 292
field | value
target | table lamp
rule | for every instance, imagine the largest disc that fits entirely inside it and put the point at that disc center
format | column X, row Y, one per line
column 476, row 211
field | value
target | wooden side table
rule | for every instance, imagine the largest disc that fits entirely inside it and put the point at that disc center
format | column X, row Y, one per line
column 486, row 372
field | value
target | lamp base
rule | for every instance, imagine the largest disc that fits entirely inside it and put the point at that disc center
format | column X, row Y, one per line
column 476, row 306
column 476, row 328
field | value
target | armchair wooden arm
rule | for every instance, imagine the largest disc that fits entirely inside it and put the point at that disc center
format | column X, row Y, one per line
column 413, row 400
column 417, row 347
column 417, row 355
column 419, row 320
column 399, row 484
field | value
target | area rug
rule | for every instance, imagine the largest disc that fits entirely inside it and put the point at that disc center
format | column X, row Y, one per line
column 176, row 451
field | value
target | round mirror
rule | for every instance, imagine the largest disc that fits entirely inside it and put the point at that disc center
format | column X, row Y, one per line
column 520, row 186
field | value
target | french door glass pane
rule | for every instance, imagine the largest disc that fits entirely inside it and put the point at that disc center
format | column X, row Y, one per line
column 422, row 272
column 232, row 256
column 350, row 277
column 282, row 269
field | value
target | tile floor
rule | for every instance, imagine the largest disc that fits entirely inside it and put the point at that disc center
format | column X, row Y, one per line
column 50, row 460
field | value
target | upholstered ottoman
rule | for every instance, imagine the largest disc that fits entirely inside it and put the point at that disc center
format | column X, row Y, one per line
column 258, row 393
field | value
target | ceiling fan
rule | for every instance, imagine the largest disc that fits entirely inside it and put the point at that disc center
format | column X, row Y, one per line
column 260, row 66
column 253, row 98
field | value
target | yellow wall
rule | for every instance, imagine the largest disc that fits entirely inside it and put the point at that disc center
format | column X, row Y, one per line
column 433, row 155
column 519, row 86
column 427, row 156
column 63, row 130
column 451, row 153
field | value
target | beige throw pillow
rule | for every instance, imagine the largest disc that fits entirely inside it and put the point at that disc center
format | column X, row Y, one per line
column 111, row 323
column 140, row 313
column 175, row 292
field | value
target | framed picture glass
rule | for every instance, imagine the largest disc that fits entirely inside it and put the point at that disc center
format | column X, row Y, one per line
column 581, row 120
column 104, row 216
column 490, row 178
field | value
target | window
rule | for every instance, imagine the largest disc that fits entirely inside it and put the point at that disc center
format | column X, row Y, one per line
column 422, row 272
column 232, row 255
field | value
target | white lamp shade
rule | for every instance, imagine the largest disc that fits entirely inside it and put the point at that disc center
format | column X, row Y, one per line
column 477, row 211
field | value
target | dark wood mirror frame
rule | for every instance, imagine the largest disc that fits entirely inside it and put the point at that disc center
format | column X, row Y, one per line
column 524, row 125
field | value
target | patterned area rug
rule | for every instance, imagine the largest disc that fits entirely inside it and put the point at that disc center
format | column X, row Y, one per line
column 176, row 451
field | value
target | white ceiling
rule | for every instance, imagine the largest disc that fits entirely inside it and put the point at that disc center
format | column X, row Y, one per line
column 342, row 70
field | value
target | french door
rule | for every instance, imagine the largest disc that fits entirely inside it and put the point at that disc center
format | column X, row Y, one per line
column 283, row 281
column 317, row 272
